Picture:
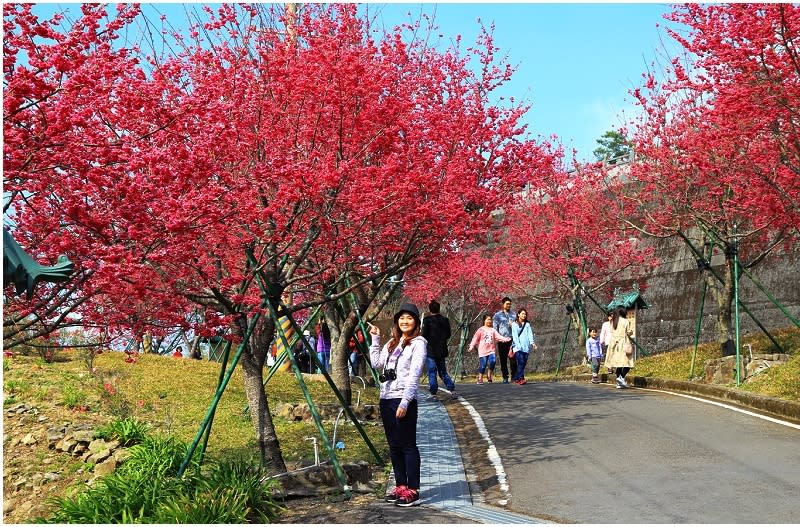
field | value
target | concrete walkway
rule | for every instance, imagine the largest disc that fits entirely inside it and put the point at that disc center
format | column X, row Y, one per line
column 444, row 480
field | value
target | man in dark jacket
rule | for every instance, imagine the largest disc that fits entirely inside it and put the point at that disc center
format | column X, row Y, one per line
column 436, row 330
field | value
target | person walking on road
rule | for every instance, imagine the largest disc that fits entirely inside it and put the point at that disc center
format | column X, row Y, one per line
column 620, row 350
column 523, row 343
column 605, row 335
column 485, row 341
column 594, row 354
column 436, row 330
column 401, row 361
column 502, row 322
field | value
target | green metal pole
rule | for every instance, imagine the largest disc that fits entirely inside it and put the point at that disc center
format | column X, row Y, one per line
column 744, row 307
column 563, row 344
column 697, row 328
column 348, row 410
column 772, row 299
column 337, row 468
column 207, row 435
column 345, row 405
column 218, row 394
column 760, row 287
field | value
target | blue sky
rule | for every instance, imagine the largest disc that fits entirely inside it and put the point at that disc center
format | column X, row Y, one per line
column 576, row 62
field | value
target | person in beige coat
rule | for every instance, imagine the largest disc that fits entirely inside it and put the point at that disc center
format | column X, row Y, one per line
column 620, row 349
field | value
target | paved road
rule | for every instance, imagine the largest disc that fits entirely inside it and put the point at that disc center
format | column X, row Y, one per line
column 592, row 454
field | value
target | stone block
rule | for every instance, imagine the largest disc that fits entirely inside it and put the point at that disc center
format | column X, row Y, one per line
column 285, row 411
column 320, row 480
column 83, row 435
column 98, row 445
column 106, row 467
column 54, row 435
column 98, row 457
column 121, row 455
column 722, row 370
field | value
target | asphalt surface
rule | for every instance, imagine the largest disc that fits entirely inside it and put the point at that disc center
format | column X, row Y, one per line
column 588, row 453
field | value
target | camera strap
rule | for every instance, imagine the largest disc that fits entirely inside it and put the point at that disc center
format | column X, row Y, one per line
column 396, row 354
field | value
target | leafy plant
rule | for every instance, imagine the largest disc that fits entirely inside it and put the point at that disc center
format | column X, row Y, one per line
column 132, row 493
column 127, row 431
column 227, row 492
column 74, row 397
column 146, row 490
column 18, row 386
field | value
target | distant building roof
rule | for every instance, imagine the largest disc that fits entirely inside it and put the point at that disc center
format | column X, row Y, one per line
column 628, row 300
column 25, row 272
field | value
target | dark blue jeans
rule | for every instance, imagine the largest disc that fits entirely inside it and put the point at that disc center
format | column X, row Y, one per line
column 522, row 360
column 489, row 360
column 401, row 434
column 437, row 366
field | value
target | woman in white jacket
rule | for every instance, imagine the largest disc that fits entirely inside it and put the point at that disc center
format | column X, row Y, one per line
column 401, row 362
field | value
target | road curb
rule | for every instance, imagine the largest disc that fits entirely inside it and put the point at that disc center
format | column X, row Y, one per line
column 771, row 406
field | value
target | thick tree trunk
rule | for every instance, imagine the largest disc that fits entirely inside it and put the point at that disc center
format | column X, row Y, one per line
column 340, row 373
column 341, row 332
column 252, row 360
column 723, row 294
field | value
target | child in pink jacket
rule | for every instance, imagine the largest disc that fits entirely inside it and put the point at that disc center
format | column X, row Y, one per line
column 485, row 340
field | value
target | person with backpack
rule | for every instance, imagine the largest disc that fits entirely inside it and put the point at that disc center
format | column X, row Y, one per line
column 436, row 330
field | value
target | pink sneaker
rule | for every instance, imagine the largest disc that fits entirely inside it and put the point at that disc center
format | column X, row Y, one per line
column 410, row 498
column 396, row 494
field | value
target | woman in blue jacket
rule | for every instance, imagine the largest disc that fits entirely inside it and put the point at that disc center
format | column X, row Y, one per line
column 524, row 342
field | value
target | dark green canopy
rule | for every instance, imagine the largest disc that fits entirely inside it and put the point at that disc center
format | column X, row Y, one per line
column 24, row 272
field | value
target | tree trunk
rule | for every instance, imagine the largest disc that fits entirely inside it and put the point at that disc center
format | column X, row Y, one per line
column 723, row 294
column 341, row 332
column 252, row 360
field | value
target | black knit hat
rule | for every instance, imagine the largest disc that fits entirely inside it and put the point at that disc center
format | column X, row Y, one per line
column 411, row 309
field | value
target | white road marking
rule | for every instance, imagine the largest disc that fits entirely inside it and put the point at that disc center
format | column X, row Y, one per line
column 727, row 406
column 491, row 451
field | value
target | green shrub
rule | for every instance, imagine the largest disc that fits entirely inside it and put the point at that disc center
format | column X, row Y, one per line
column 146, row 489
column 223, row 506
column 73, row 397
column 133, row 493
column 248, row 480
column 16, row 386
column 127, row 431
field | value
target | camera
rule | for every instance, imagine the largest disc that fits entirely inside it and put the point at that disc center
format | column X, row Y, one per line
column 387, row 375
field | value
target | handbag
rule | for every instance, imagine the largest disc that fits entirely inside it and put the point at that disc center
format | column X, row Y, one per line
column 628, row 348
